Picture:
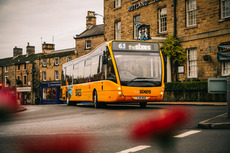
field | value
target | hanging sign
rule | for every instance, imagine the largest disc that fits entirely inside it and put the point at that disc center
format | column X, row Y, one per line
column 143, row 32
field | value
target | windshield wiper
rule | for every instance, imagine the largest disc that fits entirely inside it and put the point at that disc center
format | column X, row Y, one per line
column 136, row 79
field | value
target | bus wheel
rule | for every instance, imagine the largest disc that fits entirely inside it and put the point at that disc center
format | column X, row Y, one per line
column 143, row 104
column 95, row 101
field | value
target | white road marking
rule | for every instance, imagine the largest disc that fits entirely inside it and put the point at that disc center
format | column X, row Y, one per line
column 142, row 147
column 135, row 149
column 187, row 133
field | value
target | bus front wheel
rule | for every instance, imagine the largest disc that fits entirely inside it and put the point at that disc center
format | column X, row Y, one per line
column 95, row 100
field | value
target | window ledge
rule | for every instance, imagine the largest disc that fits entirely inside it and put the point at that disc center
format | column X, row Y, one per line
column 191, row 27
column 224, row 19
column 162, row 33
column 117, row 8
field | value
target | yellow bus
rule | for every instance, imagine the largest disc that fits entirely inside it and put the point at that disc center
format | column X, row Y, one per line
column 115, row 72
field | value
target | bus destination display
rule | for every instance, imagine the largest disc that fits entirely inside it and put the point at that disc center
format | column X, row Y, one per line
column 134, row 46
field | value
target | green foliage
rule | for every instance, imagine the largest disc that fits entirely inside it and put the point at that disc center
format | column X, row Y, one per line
column 174, row 51
column 175, row 86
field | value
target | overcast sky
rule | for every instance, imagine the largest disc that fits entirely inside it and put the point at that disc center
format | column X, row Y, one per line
column 36, row 21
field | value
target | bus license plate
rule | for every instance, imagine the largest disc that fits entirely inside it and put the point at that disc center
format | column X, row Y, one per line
column 141, row 98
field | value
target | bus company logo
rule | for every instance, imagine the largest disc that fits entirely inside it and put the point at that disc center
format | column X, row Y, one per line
column 145, row 91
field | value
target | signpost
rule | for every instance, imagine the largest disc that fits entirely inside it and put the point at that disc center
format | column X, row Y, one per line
column 220, row 86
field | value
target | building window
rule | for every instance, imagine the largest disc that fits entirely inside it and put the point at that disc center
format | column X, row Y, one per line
column 226, row 68
column 44, row 76
column 6, row 81
column 18, row 67
column 192, row 63
column 56, row 75
column 88, row 44
column 137, row 22
column 69, row 58
column 225, row 8
column 25, row 80
column 191, row 12
column 6, row 69
column 44, row 63
column 163, row 20
column 118, row 30
column 25, row 66
column 56, row 61
column 117, row 3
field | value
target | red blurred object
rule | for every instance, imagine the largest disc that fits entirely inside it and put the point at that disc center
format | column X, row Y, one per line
column 55, row 144
column 8, row 100
column 164, row 125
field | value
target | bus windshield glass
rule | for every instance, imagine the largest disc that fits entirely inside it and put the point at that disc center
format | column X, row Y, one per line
column 139, row 69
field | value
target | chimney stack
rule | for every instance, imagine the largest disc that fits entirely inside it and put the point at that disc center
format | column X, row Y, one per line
column 30, row 49
column 47, row 48
column 90, row 19
column 17, row 51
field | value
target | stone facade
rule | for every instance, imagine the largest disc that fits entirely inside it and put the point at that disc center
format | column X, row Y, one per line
column 92, row 37
column 203, row 31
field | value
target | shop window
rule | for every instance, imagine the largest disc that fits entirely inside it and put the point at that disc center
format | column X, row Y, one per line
column 49, row 94
column 118, row 30
column 225, row 8
column 44, row 63
column 137, row 22
column 44, row 76
column 56, row 61
column 88, row 44
column 191, row 12
column 192, row 63
column 163, row 20
column 117, row 3
column 56, row 75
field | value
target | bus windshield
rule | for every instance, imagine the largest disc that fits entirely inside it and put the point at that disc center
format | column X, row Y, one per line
column 139, row 69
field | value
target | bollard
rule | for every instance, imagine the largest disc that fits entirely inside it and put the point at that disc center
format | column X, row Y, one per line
column 228, row 97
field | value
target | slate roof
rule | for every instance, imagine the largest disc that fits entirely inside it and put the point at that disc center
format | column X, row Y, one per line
column 21, row 59
column 95, row 30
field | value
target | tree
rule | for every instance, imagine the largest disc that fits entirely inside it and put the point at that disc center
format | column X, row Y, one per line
column 175, row 52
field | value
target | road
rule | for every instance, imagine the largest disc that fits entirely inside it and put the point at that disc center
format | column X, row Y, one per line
column 108, row 129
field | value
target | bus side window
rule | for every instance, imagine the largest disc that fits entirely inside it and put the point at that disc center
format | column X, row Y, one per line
column 101, row 72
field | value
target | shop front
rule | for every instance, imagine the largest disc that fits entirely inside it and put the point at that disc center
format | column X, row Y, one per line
column 24, row 95
column 50, row 93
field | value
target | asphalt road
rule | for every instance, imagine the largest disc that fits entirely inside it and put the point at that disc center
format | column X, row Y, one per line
column 108, row 129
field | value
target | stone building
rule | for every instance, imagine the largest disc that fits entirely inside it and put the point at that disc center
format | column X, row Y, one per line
column 50, row 67
column 20, row 72
column 38, row 77
column 89, row 39
column 202, row 27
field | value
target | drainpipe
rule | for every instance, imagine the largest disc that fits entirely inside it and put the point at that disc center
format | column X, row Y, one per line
column 175, row 19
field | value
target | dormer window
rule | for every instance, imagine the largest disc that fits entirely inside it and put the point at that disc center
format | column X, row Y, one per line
column 88, row 44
